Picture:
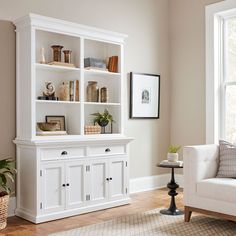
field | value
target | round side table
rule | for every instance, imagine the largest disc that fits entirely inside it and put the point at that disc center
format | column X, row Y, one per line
column 172, row 185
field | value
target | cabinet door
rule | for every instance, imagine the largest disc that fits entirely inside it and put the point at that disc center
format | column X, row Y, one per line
column 75, row 184
column 118, row 178
column 53, row 192
column 98, row 184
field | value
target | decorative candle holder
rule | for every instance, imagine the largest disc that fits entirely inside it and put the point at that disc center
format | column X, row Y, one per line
column 104, row 94
column 57, row 52
column 42, row 55
column 67, row 56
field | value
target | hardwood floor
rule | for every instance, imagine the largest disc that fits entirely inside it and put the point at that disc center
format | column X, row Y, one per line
column 141, row 202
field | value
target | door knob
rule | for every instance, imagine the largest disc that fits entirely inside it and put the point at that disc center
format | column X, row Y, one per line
column 63, row 185
column 107, row 150
column 67, row 184
column 107, row 179
column 64, row 153
column 110, row 178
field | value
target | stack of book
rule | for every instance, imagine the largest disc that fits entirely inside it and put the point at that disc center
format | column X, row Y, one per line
column 113, row 64
column 94, row 64
column 172, row 163
column 92, row 129
column 58, row 63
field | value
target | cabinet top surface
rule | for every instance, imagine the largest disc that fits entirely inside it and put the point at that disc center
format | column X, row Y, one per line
column 80, row 140
column 67, row 27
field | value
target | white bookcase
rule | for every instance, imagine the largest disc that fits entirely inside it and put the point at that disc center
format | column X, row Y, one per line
column 74, row 173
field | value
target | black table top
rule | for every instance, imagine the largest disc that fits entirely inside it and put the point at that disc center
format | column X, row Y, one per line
column 169, row 166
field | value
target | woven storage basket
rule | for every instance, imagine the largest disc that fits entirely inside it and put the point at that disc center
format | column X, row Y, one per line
column 3, row 211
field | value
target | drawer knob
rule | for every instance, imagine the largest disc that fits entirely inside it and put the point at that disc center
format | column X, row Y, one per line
column 110, row 178
column 63, row 185
column 64, row 153
column 67, row 184
column 107, row 179
column 107, row 150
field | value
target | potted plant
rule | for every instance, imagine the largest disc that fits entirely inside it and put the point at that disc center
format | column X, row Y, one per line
column 7, row 172
column 103, row 119
column 172, row 154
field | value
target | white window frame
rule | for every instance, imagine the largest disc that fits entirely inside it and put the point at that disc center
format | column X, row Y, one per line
column 215, row 86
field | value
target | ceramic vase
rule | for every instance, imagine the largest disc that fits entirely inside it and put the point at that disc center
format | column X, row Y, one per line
column 172, row 157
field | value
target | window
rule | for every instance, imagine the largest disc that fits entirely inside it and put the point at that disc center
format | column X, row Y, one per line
column 228, row 84
column 221, row 72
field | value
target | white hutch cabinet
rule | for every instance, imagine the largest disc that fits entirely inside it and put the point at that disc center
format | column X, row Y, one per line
column 61, row 176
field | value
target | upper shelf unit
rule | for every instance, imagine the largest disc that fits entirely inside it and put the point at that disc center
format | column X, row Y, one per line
column 36, row 68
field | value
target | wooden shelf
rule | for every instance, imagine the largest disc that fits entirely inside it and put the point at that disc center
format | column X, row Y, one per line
column 102, row 103
column 55, row 68
column 56, row 102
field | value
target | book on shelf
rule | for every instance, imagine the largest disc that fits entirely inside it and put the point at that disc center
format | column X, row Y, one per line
column 58, row 63
column 172, row 163
column 50, row 133
column 113, row 64
column 69, row 91
column 72, row 92
column 76, row 90
column 96, row 68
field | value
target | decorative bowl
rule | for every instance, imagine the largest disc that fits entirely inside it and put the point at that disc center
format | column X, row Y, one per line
column 51, row 126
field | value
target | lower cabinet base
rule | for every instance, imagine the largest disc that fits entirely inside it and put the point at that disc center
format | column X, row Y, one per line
column 67, row 213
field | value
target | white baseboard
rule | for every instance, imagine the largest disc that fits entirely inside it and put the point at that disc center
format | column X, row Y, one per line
column 153, row 182
column 12, row 206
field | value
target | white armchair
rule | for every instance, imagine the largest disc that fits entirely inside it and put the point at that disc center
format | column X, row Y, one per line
column 203, row 192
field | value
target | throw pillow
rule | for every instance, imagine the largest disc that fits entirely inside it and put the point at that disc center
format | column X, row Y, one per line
column 227, row 165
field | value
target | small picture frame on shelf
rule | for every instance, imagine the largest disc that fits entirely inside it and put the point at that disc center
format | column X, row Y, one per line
column 144, row 96
column 57, row 119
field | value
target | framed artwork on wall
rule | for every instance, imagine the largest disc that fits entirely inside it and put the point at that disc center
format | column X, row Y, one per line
column 144, row 96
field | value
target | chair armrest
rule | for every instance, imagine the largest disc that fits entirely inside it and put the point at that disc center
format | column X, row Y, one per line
column 200, row 162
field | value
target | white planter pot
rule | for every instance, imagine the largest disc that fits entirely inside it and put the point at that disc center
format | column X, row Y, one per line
column 171, row 157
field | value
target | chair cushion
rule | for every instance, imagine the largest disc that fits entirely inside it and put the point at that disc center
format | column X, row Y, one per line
column 227, row 165
column 222, row 189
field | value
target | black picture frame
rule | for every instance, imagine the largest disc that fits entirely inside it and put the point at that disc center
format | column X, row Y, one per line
column 60, row 119
column 145, row 99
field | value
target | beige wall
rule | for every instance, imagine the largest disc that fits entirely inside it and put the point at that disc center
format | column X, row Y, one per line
column 147, row 24
column 7, row 89
column 187, row 70
column 146, row 50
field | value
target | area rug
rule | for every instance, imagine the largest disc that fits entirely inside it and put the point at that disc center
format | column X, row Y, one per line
column 153, row 223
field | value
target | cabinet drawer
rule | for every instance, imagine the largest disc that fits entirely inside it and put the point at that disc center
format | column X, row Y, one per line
column 107, row 150
column 58, row 153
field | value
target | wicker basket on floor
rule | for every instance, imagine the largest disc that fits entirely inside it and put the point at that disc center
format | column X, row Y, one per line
column 4, row 200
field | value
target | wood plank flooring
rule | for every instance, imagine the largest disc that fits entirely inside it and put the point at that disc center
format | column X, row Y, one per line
column 141, row 202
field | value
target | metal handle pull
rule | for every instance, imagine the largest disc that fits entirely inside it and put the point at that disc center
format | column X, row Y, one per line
column 63, row 185
column 64, row 153
column 107, row 150
column 67, row 184
column 110, row 178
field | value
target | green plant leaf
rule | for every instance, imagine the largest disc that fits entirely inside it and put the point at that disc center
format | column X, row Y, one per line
column 3, row 179
column 7, row 172
column 96, row 114
column 102, row 117
column 174, row 148
column 9, row 175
